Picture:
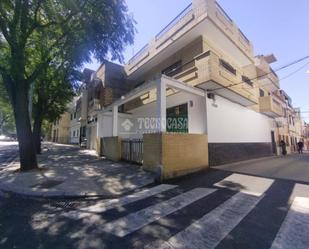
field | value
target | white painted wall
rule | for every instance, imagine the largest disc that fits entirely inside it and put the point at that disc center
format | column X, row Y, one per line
column 74, row 126
column 227, row 123
column 196, row 112
column 232, row 123
column 105, row 125
column 196, row 116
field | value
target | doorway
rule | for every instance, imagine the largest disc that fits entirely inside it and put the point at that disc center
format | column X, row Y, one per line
column 273, row 143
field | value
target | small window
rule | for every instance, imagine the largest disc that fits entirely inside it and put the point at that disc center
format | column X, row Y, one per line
column 71, row 116
column 77, row 133
column 227, row 66
column 73, row 133
column 262, row 93
column 173, row 69
column 247, row 80
column 74, row 115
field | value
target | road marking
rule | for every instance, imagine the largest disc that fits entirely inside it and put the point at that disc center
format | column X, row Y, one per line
column 134, row 221
column 293, row 232
column 109, row 204
column 300, row 190
column 103, row 206
column 251, row 185
column 208, row 231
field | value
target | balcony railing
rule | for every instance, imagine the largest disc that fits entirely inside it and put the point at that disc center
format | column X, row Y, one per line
column 223, row 13
column 174, row 22
column 269, row 105
column 139, row 54
column 242, row 35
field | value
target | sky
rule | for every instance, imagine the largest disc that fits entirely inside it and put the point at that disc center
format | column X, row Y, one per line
column 273, row 26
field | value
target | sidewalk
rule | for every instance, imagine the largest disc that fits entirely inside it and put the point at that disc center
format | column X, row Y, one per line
column 67, row 171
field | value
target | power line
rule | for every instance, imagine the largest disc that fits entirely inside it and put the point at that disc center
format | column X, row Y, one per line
column 283, row 78
column 294, row 72
column 280, row 68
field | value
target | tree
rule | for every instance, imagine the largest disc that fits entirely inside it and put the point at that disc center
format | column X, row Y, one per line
column 7, row 124
column 53, row 90
column 75, row 30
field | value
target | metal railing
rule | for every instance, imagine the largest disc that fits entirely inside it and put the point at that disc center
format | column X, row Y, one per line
column 132, row 150
column 223, row 13
column 142, row 51
column 174, row 22
column 242, row 35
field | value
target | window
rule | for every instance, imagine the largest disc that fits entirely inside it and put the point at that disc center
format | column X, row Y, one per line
column 74, row 115
column 262, row 93
column 73, row 133
column 227, row 66
column 71, row 116
column 77, row 133
column 172, row 69
column 246, row 80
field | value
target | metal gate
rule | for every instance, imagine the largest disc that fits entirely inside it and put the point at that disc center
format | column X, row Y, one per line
column 132, row 150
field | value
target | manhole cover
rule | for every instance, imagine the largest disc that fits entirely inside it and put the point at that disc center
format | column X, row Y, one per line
column 47, row 184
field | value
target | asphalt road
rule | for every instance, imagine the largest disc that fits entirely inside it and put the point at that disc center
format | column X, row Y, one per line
column 214, row 209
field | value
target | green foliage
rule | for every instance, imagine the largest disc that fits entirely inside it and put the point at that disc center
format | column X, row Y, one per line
column 40, row 37
column 52, row 92
column 7, row 122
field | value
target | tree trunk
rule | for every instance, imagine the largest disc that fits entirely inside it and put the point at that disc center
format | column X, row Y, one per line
column 27, row 153
column 37, row 128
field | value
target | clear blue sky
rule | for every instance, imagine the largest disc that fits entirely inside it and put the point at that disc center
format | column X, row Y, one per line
column 273, row 26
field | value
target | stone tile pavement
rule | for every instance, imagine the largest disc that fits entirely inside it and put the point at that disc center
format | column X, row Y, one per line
column 67, row 171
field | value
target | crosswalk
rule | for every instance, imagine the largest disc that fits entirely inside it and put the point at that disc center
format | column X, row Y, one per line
column 208, row 230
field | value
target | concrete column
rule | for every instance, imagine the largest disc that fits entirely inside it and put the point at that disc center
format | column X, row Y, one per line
column 161, row 104
column 115, row 121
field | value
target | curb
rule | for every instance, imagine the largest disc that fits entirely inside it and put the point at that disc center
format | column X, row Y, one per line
column 6, row 191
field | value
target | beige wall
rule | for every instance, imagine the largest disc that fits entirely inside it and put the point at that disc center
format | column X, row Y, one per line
column 62, row 126
column 112, row 148
column 175, row 154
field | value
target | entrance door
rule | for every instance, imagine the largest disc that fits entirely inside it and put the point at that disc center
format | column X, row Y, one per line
column 177, row 119
column 273, row 142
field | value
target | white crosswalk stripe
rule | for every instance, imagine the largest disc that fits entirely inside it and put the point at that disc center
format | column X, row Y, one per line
column 105, row 205
column 294, row 230
column 252, row 185
column 134, row 221
column 208, row 231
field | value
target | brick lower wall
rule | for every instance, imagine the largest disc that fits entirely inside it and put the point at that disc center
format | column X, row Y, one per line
column 183, row 154
column 174, row 155
column 221, row 153
column 152, row 155
column 111, row 148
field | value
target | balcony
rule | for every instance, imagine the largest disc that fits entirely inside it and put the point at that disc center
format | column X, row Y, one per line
column 267, row 77
column 201, row 18
column 225, row 79
column 270, row 106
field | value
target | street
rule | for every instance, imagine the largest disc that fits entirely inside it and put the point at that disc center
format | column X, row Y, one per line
column 213, row 209
column 8, row 151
